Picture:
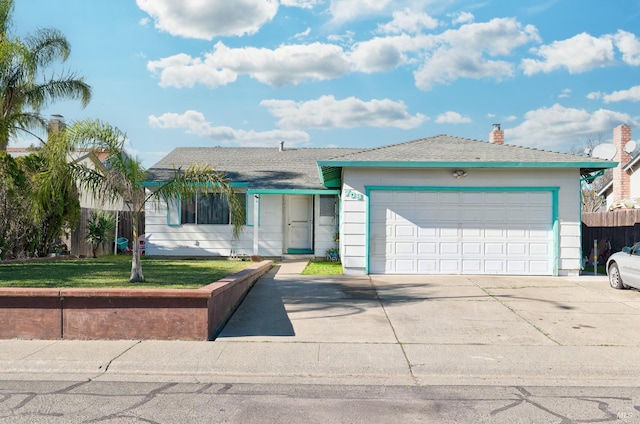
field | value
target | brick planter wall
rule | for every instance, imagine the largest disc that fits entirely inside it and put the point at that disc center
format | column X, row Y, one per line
column 160, row 314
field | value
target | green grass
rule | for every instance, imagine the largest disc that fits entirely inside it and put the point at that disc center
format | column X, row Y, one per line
column 113, row 272
column 323, row 268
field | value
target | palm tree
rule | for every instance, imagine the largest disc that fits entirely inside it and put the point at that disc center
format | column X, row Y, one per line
column 125, row 176
column 22, row 97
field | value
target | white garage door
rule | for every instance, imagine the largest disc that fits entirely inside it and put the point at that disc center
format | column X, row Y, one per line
column 459, row 232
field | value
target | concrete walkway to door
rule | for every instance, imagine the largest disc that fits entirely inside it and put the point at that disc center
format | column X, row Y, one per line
column 436, row 330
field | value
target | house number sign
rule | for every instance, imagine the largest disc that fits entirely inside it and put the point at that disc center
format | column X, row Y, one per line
column 351, row 194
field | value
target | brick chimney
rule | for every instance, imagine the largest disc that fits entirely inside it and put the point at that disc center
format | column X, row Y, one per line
column 621, row 178
column 497, row 135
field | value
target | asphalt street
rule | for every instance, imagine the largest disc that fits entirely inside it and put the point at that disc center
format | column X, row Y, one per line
column 357, row 349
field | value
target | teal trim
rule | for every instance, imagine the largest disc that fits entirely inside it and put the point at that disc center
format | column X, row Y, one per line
column 449, row 188
column 556, row 229
column 300, row 251
column 290, row 191
column 592, row 177
column 461, row 164
column 333, row 183
column 554, row 213
column 179, row 208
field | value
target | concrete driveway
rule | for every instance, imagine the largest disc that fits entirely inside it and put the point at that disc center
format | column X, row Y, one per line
column 437, row 329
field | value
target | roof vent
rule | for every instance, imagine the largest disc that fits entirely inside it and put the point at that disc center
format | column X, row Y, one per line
column 281, row 146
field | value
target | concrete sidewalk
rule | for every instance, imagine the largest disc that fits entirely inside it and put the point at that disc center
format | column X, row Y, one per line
column 382, row 330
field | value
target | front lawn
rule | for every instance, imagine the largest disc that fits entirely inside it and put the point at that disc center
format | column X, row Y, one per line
column 113, row 272
column 323, row 268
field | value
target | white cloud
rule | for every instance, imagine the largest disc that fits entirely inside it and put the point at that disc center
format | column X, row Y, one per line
column 289, row 64
column 558, row 128
column 183, row 70
column 510, row 118
column 144, row 21
column 408, row 21
column 465, row 52
column 629, row 46
column 380, row 54
column 463, row 18
column 632, row 95
column 326, row 112
column 347, row 10
column 303, row 34
column 208, row 19
column 451, row 117
column 194, row 122
column 304, row 4
column 594, row 95
column 565, row 93
column 577, row 54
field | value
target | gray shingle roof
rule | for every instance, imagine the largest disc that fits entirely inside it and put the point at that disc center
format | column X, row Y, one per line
column 269, row 168
column 262, row 168
column 446, row 148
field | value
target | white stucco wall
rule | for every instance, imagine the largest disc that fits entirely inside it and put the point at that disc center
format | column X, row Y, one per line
column 353, row 227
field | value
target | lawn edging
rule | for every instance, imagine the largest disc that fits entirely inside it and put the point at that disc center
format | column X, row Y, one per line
column 116, row 314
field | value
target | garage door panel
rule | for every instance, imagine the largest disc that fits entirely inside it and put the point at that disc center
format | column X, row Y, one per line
column 447, row 248
column 453, row 232
column 472, row 233
column 448, row 215
column 405, row 249
column 405, row 197
column 449, row 266
column 539, row 249
column 491, row 233
column 405, row 231
column 514, row 249
column 472, row 199
column 472, row 266
column 427, row 248
column 538, row 267
column 494, row 249
column 494, row 267
column 517, row 267
column 425, row 232
column 405, row 266
column 448, row 232
column 427, row 266
column 494, row 215
column 472, row 248
column 451, row 197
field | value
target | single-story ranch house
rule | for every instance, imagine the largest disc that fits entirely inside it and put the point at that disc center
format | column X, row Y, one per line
column 438, row 205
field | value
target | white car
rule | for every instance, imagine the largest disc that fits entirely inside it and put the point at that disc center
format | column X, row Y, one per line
column 623, row 268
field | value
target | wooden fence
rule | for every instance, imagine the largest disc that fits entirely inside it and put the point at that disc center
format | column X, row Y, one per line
column 78, row 245
column 621, row 227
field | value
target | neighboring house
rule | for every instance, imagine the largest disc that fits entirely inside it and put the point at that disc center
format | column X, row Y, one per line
column 623, row 191
column 94, row 160
column 438, row 205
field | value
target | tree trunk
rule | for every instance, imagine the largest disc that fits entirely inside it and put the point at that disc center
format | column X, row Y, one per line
column 136, row 265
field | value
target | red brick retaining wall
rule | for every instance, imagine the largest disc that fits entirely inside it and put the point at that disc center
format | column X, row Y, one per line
column 161, row 314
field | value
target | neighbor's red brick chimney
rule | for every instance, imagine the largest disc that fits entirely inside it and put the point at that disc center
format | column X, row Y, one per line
column 497, row 135
column 621, row 179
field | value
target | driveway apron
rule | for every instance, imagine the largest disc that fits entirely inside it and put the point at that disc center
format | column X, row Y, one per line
column 434, row 329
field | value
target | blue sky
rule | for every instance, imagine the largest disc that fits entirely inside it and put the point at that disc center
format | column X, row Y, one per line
column 348, row 73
